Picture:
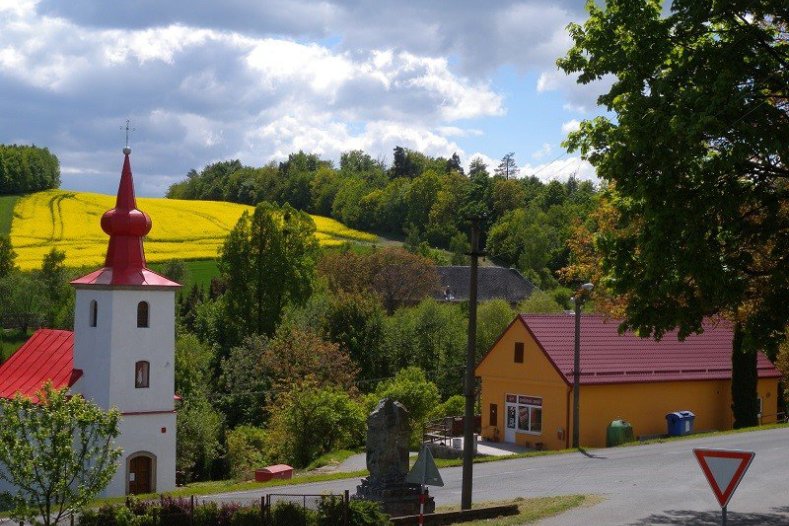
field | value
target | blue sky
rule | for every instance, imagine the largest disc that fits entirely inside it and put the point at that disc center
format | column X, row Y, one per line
column 204, row 81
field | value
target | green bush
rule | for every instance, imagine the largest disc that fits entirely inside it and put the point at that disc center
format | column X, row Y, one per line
column 367, row 513
column 108, row 516
column 246, row 517
column 330, row 510
column 292, row 514
column 308, row 421
column 246, row 447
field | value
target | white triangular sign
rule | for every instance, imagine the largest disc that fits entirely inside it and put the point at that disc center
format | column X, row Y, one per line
column 724, row 470
column 425, row 471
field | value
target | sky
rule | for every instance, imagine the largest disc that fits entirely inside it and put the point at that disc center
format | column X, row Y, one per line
column 204, row 81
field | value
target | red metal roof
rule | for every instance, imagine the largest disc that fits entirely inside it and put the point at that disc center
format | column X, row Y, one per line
column 608, row 357
column 47, row 355
column 126, row 225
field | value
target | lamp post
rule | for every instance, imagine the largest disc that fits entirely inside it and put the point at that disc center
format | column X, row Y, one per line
column 578, row 300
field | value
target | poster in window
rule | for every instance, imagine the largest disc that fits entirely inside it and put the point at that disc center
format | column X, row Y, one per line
column 536, row 419
column 523, row 418
column 511, row 417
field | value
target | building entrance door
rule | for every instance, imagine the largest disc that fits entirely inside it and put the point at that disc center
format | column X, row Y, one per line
column 511, row 421
column 140, row 471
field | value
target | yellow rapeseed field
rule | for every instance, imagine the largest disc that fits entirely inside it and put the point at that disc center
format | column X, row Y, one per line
column 70, row 221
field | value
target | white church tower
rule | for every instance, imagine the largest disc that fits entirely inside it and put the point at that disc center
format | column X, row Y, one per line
column 124, row 344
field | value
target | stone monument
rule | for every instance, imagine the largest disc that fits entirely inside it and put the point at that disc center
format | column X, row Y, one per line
column 388, row 433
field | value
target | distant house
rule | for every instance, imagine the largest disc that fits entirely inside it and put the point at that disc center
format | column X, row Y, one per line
column 527, row 381
column 492, row 283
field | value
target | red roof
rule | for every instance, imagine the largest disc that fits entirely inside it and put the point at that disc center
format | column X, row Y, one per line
column 126, row 225
column 608, row 357
column 47, row 355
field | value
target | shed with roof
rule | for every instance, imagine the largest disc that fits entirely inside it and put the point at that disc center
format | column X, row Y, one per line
column 527, row 381
column 492, row 283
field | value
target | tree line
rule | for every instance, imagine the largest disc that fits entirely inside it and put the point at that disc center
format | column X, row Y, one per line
column 25, row 169
column 425, row 200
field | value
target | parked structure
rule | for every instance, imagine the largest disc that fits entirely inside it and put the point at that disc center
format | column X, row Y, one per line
column 121, row 353
column 526, row 380
column 493, row 283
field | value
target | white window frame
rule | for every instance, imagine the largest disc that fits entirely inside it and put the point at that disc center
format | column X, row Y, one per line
column 528, row 403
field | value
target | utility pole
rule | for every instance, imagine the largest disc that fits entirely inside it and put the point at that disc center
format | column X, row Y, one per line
column 578, row 299
column 468, row 385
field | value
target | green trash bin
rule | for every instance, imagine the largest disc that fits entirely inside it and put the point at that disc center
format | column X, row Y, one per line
column 619, row 432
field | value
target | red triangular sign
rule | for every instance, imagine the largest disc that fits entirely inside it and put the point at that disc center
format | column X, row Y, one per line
column 724, row 470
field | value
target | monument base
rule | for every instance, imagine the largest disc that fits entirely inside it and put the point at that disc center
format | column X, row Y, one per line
column 395, row 499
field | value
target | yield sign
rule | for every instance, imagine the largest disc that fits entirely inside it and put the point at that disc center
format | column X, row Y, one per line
column 425, row 471
column 724, row 470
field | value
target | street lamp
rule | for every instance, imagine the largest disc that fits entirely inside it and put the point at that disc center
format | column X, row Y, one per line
column 578, row 300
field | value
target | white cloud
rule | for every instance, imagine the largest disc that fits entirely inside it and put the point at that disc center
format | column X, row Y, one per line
column 582, row 98
column 571, row 126
column 544, row 151
column 561, row 170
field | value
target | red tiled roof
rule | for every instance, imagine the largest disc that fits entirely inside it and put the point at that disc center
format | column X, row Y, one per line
column 47, row 355
column 608, row 357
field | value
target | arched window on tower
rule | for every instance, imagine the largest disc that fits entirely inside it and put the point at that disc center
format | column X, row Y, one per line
column 142, row 314
column 141, row 374
column 94, row 312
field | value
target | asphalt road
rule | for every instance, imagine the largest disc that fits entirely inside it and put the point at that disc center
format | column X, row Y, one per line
column 650, row 484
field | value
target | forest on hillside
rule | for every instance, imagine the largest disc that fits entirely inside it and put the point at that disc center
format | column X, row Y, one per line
column 427, row 201
column 25, row 169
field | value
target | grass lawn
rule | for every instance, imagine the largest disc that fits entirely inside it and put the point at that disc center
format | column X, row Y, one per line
column 10, row 341
column 7, row 203
column 531, row 509
column 198, row 272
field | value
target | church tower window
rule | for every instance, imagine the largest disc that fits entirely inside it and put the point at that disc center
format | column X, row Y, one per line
column 142, row 314
column 141, row 374
column 94, row 313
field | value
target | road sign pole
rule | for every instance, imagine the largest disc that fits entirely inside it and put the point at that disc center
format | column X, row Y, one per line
column 422, row 506
column 723, row 516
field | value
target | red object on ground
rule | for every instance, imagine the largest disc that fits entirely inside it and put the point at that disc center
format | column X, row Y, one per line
column 47, row 355
column 277, row 471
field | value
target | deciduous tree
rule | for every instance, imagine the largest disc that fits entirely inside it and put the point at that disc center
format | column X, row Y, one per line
column 699, row 155
column 57, row 451
column 267, row 262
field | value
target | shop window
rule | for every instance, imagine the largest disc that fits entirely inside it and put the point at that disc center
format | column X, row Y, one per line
column 528, row 412
column 94, row 313
column 519, row 352
column 141, row 374
column 142, row 314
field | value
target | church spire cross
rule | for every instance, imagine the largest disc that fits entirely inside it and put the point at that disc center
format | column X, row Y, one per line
column 128, row 130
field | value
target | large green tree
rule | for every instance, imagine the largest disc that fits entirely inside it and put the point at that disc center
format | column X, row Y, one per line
column 57, row 451
column 267, row 263
column 696, row 149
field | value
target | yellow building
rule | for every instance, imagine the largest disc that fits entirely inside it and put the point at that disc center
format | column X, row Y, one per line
column 527, row 381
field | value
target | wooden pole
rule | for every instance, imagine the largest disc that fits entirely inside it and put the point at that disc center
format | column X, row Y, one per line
column 468, row 384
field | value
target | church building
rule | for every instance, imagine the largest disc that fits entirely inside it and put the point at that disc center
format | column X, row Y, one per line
column 121, row 353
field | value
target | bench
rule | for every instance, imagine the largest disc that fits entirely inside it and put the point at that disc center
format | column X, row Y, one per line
column 277, row 471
